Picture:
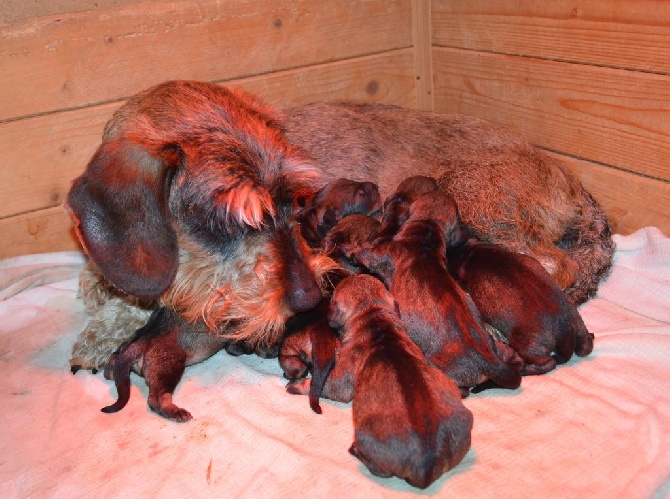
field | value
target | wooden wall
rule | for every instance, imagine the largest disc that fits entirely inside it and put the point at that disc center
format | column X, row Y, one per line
column 589, row 83
column 588, row 80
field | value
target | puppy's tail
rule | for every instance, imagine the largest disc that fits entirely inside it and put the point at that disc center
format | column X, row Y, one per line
column 324, row 345
column 122, row 367
column 588, row 242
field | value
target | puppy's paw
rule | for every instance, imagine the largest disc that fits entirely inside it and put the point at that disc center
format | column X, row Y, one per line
column 299, row 387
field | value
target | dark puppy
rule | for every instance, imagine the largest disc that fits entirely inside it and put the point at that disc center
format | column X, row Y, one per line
column 440, row 317
column 333, row 202
column 351, row 231
column 517, row 296
column 396, row 207
column 409, row 420
column 160, row 351
column 309, row 346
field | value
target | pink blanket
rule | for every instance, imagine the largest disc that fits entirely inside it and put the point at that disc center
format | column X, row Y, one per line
column 595, row 427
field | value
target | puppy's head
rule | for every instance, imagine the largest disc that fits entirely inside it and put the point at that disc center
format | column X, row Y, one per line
column 358, row 295
column 396, row 207
column 205, row 162
column 440, row 208
column 337, row 200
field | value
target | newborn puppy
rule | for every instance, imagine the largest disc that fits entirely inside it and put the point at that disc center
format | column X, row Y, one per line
column 309, row 345
column 353, row 230
column 396, row 207
column 333, row 202
column 160, row 351
column 440, row 317
column 518, row 297
column 409, row 420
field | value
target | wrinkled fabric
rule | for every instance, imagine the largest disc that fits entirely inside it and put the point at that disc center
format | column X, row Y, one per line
column 596, row 427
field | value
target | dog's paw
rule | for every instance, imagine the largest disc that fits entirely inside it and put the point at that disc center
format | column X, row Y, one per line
column 172, row 412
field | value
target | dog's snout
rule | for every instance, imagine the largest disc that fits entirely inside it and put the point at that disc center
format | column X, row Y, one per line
column 304, row 298
column 302, row 292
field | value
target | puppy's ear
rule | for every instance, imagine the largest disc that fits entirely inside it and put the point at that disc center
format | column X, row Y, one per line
column 329, row 220
column 118, row 207
column 460, row 236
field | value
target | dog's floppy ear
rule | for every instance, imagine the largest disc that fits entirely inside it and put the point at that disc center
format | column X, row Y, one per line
column 118, row 207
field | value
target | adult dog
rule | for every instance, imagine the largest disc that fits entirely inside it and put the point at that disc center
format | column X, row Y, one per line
column 188, row 203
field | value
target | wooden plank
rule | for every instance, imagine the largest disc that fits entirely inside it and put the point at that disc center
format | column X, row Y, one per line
column 609, row 116
column 629, row 34
column 42, row 155
column 41, row 232
column 423, row 58
column 72, row 60
column 630, row 201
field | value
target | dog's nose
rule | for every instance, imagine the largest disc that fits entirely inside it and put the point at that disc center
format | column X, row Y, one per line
column 304, row 298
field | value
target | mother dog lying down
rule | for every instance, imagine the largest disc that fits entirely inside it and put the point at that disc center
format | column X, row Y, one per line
column 188, row 202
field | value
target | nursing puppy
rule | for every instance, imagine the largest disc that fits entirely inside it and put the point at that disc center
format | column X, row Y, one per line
column 396, row 207
column 510, row 192
column 334, row 201
column 517, row 296
column 160, row 351
column 309, row 345
column 409, row 420
column 187, row 204
column 352, row 231
column 439, row 316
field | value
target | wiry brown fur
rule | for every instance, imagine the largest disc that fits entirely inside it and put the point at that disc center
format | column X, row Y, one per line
column 508, row 191
column 215, row 163
column 187, row 203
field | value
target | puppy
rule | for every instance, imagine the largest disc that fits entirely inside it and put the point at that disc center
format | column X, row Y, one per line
column 409, row 420
column 440, row 317
column 160, row 351
column 510, row 192
column 309, row 345
column 336, row 200
column 517, row 296
column 352, row 231
column 396, row 207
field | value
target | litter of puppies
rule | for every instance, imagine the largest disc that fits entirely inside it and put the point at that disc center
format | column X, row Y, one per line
column 215, row 222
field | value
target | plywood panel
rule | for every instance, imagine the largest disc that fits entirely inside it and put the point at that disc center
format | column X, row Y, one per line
column 630, row 201
column 609, row 116
column 42, row 155
column 71, row 60
column 630, row 34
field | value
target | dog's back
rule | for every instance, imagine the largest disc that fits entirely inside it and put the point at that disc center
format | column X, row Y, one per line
column 509, row 192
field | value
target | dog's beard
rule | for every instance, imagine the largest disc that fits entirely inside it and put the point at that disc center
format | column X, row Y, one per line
column 239, row 293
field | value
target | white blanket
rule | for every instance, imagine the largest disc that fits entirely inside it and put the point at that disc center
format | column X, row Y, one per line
column 595, row 427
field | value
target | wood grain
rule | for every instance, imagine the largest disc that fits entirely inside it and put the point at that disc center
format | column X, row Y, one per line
column 43, row 231
column 45, row 153
column 609, row 116
column 631, row 201
column 630, row 34
column 72, row 60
